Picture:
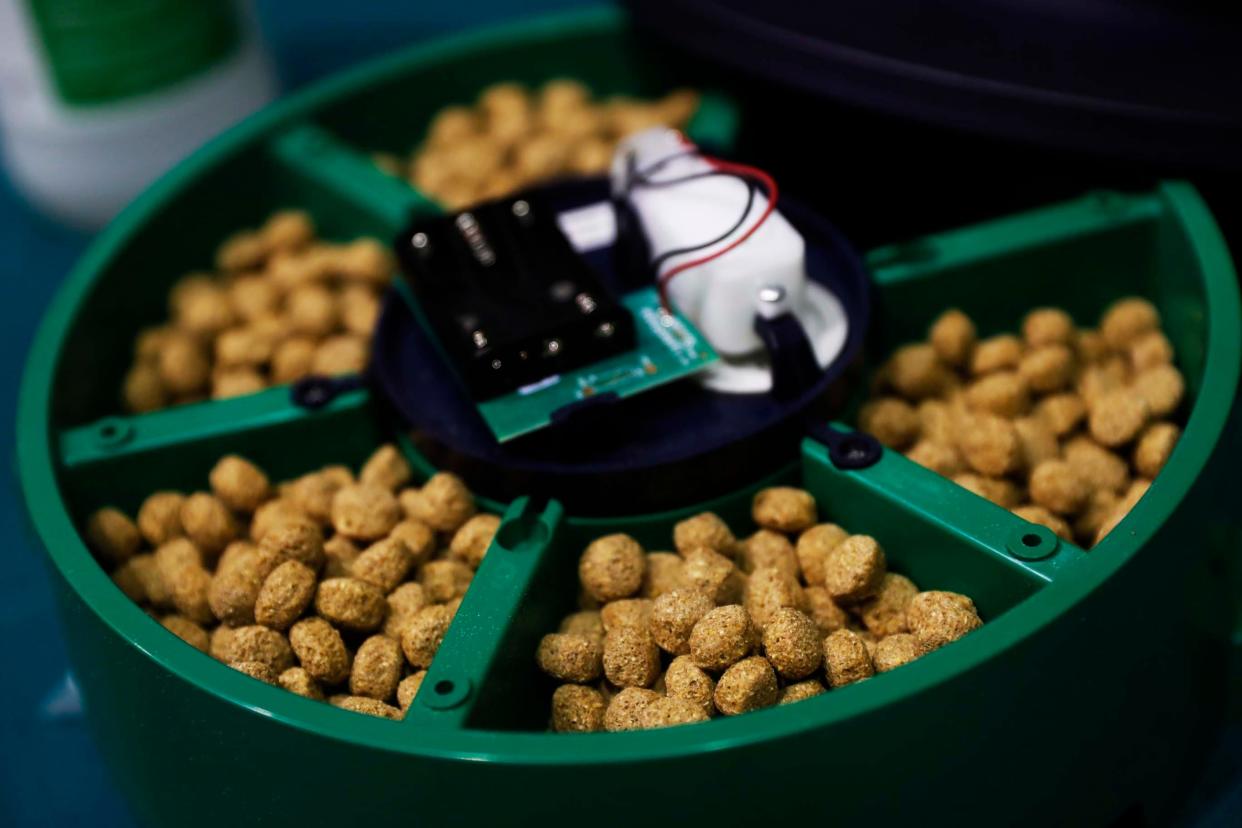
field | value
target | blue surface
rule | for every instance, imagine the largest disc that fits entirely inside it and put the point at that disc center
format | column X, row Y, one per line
column 40, row 758
column 50, row 773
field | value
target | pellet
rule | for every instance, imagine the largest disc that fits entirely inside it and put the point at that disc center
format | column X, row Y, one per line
column 571, row 657
column 800, row 691
column 631, row 657
column 376, row 671
column 668, row 712
column 383, row 564
column 768, row 590
column 673, row 616
column 748, row 685
column 239, row 484
column 854, row 569
column 713, row 574
column 937, row 618
column 612, row 567
column 895, row 650
column 723, row 637
column 443, row 503
column 846, row 659
column 813, row 547
column 421, row 638
column 953, row 337
column 471, row 541
column 112, row 535
column 884, row 613
column 284, row 595
column 791, row 642
column 704, row 530
column 784, row 509
column 577, row 709
column 350, row 603
column 686, row 680
column 625, row 709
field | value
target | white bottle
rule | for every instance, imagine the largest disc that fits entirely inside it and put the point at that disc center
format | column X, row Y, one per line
column 99, row 97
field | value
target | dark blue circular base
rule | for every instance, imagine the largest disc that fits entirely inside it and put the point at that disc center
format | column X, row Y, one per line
column 669, row 447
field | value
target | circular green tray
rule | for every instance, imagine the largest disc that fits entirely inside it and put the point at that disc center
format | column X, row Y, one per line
column 1094, row 674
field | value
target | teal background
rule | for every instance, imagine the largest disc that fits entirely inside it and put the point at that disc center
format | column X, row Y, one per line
column 49, row 771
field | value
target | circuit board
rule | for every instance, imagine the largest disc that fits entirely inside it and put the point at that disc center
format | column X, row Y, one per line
column 668, row 349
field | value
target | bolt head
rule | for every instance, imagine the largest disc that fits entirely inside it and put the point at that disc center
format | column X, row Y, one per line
column 771, row 294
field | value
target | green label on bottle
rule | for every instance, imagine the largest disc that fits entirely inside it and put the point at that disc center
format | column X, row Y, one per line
column 100, row 51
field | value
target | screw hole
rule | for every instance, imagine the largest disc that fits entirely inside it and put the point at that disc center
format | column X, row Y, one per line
column 854, row 449
column 1032, row 543
column 526, row 529
column 112, row 432
column 446, row 694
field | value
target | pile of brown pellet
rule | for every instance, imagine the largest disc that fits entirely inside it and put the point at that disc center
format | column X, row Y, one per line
column 331, row 585
column 279, row 306
column 511, row 139
column 1064, row 426
column 726, row 626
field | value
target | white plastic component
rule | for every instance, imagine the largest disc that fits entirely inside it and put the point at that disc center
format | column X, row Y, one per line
column 823, row 318
column 591, row 227
column 721, row 297
column 83, row 163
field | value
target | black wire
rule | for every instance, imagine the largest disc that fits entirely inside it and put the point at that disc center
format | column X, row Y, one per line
column 668, row 182
column 643, row 177
column 658, row 165
column 750, row 201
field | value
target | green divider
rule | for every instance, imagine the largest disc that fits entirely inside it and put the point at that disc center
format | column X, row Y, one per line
column 950, row 537
column 119, row 436
column 477, row 663
column 118, row 461
column 347, row 176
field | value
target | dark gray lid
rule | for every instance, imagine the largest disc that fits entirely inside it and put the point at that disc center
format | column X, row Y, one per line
column 1151, row 79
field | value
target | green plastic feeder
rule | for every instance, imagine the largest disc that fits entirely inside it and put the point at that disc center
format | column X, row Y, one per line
column 1095, row 674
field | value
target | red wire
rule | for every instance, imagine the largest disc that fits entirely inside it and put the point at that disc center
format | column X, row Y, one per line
column 740, row 169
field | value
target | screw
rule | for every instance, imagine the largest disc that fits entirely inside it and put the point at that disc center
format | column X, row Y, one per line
column 771, row 294
column 854, row 452
column 480, row 339
column 605, row 330
column 521, row 209
column 419, row 241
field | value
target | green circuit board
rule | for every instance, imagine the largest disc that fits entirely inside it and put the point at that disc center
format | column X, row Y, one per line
column 668, row 349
